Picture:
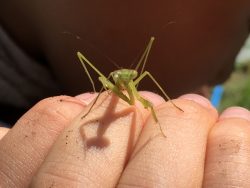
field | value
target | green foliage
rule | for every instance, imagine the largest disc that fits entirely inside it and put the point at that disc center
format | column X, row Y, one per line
column 237, row 88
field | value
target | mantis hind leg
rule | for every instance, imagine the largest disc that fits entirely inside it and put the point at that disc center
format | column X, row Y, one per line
column 146, row 73
column 146, row 104
column 82, row 60
column 85, row 61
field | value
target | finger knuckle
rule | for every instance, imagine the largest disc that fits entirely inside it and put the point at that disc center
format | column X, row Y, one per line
column 49, row 114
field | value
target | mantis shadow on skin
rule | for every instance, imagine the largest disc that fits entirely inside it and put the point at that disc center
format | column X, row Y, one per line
column 105, row 120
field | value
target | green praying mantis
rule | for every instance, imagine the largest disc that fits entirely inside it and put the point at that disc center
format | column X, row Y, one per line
column 126, row 80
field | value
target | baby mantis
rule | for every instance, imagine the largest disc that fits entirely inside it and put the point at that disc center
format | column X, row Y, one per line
column 126, row 80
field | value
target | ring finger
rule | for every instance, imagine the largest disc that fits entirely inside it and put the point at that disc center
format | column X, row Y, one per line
column 228, row 152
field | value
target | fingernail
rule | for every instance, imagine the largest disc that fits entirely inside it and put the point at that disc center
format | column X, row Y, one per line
column 86, row 98
column 235, row 112
column 198, row 99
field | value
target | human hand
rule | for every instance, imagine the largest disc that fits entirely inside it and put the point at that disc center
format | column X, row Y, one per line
column 118, row 144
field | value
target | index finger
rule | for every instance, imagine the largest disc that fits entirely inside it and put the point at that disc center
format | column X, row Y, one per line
column 93, row 150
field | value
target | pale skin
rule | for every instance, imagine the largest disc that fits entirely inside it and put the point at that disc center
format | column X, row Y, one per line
column 48, row 150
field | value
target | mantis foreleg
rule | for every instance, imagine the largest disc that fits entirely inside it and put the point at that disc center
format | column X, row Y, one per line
column 84, row 60
column 114, row 89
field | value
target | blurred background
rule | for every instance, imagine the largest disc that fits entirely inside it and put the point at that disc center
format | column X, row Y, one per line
column 236, row 90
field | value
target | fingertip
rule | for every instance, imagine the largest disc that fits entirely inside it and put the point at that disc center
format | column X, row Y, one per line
column 198, row 99
column 235, row 112
column 86, row 98
column 3, row 132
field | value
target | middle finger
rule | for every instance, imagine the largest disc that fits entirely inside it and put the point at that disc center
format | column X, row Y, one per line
column 178, row 160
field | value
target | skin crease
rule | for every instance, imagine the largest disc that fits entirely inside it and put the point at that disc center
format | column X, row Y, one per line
column 196, row 41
